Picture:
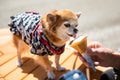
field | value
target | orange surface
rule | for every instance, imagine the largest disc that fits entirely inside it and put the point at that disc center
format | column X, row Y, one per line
column 30, row 70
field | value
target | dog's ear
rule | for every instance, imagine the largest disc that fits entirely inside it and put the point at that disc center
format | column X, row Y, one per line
column 51, row 17
column 78, row 14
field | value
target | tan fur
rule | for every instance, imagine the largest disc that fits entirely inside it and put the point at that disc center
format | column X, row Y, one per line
column 60, row 17
column 52, row 22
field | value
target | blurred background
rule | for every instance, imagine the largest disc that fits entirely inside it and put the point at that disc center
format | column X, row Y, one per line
column 100, row 19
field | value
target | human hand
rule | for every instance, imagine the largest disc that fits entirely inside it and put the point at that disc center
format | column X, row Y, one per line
column 100, row 55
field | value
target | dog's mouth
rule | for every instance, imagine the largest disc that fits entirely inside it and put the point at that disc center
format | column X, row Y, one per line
column 72, row 35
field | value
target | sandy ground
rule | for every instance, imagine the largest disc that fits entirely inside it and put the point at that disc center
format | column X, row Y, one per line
column 100, row 19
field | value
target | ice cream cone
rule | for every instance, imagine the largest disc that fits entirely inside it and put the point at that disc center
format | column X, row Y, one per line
column 80, row 44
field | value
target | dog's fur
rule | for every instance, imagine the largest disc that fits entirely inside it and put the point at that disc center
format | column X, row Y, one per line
column 59, row 26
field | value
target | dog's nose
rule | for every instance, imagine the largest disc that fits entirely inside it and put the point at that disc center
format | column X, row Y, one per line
column 75, row 30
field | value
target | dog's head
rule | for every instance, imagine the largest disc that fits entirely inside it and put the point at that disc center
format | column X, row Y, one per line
column 60, row 25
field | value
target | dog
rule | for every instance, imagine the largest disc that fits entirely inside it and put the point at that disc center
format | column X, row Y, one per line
column 44, row 35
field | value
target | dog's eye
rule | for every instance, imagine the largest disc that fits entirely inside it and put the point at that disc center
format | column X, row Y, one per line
column 67, row 25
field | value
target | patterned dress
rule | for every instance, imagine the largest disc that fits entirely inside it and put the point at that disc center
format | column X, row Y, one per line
column 28, row 26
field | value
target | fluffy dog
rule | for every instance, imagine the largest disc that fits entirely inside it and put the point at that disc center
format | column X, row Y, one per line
column 46, row 35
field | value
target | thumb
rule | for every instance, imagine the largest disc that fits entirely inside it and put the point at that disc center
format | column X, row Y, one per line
column 91, row 51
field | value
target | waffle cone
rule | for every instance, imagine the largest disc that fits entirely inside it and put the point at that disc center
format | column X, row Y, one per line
column 80, row 44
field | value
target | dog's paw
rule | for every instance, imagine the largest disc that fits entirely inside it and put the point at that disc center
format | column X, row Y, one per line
column 60, row 68
column 19, row 63
column 51, row 75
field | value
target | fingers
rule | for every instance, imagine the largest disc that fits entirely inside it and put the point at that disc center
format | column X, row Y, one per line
column 95, row 51
column 94, row 44
column 94, row 58
column 91, row 51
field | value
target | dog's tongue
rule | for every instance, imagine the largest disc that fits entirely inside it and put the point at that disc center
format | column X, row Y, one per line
column 74, row 36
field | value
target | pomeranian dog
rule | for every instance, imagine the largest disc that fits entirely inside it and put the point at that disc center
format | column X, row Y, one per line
column 44, row 35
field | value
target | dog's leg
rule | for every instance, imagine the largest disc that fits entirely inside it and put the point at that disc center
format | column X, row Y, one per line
column 18, row 44
column 19, row 61
column 59, row 68
column 44, row 61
